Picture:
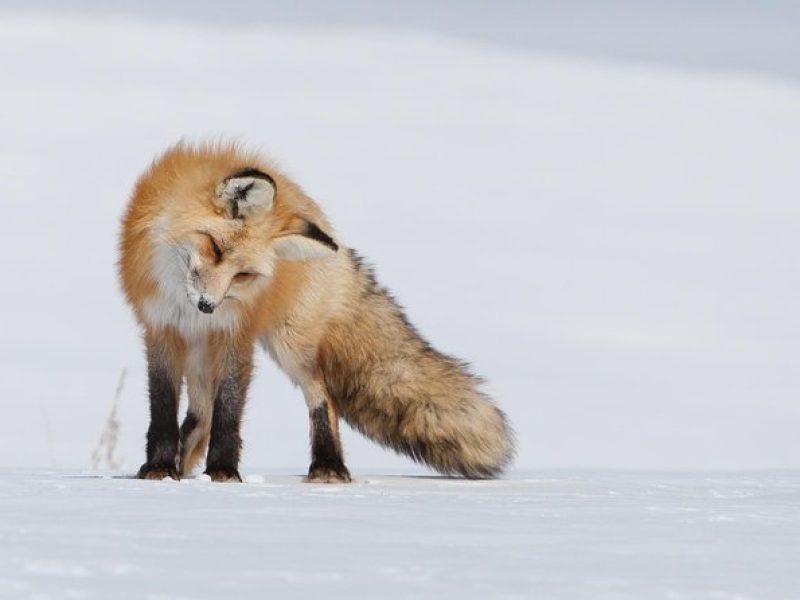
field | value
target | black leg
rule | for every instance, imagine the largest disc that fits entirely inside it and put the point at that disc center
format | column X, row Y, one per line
column 327, row 464
column 225, row 445
column 162, row 435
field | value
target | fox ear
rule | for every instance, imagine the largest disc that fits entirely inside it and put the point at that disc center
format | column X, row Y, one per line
column 308, row 243
column 246, row 194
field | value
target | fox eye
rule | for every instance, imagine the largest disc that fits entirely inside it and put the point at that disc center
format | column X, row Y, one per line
column 215, row 247
column 244, row 277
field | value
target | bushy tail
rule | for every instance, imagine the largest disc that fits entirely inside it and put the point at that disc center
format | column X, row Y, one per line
column 388, row 383
column 432, row 413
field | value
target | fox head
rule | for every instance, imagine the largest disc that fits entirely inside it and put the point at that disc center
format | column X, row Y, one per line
column 224, row 243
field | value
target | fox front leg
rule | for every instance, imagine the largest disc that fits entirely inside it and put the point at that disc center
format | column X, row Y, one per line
column 164, row 375
column 327, row 461
column 225, row 443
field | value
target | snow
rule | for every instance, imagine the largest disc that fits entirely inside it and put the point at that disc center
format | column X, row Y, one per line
column 605, row 225
column 540, row 534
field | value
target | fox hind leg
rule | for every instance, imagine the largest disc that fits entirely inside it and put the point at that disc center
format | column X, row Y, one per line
column 194, row 435
column 196, row 428
column 327, row 461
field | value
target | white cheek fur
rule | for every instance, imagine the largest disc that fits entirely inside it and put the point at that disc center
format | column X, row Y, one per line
column 175, row 304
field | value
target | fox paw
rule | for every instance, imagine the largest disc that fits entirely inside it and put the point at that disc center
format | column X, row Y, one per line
column 328, row 473
column 158, row 472
column 224, row 475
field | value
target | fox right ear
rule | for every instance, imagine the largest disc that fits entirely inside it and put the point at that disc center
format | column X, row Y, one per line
column 307, row 241
column 246, row 194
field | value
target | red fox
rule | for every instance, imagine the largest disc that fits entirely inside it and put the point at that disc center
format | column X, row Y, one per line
column 220, row 252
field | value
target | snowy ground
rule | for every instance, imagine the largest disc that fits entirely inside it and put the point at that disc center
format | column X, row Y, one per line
column 545, row 534
column 598, row 209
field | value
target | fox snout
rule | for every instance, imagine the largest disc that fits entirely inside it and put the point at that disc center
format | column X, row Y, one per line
column 206, row 305
column 206, row 288
column 204, row 294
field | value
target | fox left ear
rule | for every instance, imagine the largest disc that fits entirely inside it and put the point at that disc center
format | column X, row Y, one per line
column 309, row 242
column 246, row 194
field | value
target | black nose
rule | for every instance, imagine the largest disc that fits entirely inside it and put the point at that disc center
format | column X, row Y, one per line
column 206, row 306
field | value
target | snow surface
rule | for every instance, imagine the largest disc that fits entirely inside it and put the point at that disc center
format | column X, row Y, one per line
column 543, row 534
column 612, row 244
